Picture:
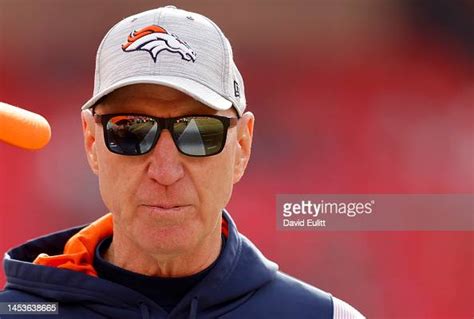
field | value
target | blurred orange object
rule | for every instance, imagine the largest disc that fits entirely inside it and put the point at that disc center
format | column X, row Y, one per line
column 23, row 128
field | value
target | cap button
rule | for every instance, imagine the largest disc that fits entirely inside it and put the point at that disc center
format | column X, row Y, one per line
column 170, row 7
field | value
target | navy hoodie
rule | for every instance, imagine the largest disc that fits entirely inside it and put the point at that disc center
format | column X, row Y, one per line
column 242, row 284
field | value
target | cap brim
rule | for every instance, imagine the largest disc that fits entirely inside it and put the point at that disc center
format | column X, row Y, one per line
column 192, row 88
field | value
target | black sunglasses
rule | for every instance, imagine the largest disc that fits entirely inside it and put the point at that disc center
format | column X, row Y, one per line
column 137, row 134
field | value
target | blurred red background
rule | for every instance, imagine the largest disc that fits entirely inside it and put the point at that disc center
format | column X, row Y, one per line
column 368, row 96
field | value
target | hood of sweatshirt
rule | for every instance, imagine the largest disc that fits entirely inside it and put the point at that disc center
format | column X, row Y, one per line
column 59, row 267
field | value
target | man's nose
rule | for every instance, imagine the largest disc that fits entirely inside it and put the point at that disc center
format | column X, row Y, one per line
column 165, row 165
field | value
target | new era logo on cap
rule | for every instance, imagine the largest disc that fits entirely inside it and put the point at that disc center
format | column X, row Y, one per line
column 156, row 39
column 236, row 89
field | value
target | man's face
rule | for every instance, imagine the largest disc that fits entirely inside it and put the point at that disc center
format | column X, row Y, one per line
column 139, row 190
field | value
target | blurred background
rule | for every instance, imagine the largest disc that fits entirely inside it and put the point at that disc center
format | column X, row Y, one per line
column 366, row 96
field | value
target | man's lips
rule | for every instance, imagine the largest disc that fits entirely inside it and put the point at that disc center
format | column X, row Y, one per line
column 166, row 207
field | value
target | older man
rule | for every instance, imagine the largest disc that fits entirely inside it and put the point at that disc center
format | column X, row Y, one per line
column 167, row 134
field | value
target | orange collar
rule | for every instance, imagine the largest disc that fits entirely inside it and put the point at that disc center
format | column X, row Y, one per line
column 79, row 251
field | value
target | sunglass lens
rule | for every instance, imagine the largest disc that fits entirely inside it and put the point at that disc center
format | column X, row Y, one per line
column 131, row 135
column 199, row 135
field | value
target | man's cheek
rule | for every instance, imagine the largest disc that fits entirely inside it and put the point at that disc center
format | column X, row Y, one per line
column 218, row 187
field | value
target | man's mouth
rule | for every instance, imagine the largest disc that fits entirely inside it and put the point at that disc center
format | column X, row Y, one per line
column 166, row 207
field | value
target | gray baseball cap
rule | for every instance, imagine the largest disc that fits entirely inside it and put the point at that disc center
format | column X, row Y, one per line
column 171, row 47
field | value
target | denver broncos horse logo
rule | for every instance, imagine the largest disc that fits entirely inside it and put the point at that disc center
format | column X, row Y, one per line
column 155, row 39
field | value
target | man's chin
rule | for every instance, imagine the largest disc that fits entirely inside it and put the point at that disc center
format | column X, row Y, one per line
column 173, row 239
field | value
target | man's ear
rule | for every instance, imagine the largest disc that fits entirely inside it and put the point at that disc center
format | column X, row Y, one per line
column 244, row 147
column 88, row 129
